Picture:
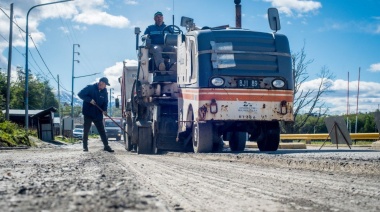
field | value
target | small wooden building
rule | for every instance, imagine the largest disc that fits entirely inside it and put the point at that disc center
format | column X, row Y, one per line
column 45, row 124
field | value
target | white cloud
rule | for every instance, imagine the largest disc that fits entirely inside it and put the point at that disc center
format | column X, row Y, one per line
column 114, row 72
column 375, row 67
column 131, row 2
column 377, row 31
column 64, row 30
column 336, row 100
column 80, row 28
column 300, row 7
column 101, row 18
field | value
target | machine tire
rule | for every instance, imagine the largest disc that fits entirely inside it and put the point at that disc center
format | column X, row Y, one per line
column 145, row 138
column 269, row 138
column 127, row 140
column 155, row 150
column 237, row 141
column 128, row 143
column 202, row 137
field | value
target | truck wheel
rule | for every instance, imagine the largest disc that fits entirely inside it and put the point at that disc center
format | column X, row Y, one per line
column 269, row 138
column 154, row 137
column 237, row 141
column 202, row 137
column 127, row 140
column 144, row 145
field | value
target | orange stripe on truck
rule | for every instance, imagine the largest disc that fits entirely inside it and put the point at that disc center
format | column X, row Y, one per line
column 237, row 95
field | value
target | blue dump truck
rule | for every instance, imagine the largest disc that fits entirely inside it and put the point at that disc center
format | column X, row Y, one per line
column 226, row 84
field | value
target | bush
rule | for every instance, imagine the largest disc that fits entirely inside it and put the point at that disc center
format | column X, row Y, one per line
column 12, row 135
column 2, row 117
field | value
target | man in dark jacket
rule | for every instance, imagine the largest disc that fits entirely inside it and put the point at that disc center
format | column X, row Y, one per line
column 92, row 96
column 156, row 35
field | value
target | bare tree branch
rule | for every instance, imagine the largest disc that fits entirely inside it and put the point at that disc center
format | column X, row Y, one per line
column 307, row 99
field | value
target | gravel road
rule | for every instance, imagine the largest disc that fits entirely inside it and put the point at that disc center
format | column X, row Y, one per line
column 63, row 178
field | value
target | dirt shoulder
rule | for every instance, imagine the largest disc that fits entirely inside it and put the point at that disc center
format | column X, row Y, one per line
column 64, row 178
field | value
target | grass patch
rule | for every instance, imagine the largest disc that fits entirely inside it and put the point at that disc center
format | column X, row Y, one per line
column 74, row 140
column 12, row 135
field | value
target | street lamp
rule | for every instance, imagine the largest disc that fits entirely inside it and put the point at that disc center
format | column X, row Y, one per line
column 26, row 61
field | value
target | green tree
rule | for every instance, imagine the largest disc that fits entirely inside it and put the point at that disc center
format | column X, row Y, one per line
column 40, row 95
column 369, row 124
column 3, row 90
column 17, row 91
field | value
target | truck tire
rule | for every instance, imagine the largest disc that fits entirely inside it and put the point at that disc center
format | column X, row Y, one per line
column 155, row 150
column 202, row 137
column 269, row 138
column 144, row 145
column 237, row 141
column 127, row 140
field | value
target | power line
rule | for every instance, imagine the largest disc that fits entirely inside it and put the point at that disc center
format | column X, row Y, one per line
column 13, row 21
column 22, row 54
column 45, row 62
column 74, row 38
column 38, row 51
column 39, row 70
column 20, row 29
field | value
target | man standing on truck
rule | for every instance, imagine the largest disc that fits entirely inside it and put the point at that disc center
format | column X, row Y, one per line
column 156, row 35
column 95, row 96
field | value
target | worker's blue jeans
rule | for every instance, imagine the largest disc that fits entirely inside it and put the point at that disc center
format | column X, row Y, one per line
column 99, row 126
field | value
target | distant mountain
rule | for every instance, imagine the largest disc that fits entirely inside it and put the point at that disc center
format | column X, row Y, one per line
column 66, row 98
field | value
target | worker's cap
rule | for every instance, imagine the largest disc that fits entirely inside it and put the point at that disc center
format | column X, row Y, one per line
column 158, row 13
column 105, row 80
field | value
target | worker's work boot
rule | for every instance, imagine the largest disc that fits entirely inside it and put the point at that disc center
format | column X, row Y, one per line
column 85, row 147
column 108, row 149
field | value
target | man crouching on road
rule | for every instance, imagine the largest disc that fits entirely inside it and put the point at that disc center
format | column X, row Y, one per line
column 95, row 96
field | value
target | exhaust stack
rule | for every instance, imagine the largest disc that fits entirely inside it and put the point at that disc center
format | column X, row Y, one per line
column 238, row 13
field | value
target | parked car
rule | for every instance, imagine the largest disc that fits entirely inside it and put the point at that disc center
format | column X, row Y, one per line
column 78, row 133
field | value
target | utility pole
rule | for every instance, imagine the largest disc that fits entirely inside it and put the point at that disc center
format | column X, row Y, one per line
column 9, row 65
column 72, row 79
column 357, row 105
column 59, row 107
column 72, row 87
column 110, row 101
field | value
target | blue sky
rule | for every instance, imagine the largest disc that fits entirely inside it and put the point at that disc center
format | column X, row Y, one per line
column 342, row 35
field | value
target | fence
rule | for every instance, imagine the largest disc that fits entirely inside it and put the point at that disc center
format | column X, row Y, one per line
column 324, row 136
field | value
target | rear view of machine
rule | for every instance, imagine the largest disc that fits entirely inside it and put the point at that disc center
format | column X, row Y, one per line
column 228, row 84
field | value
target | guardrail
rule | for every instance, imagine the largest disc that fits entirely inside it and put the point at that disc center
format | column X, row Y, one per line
column 324, row 136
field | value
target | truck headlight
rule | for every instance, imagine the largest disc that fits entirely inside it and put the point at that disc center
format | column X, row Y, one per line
column 278, row 83
column 217, row 81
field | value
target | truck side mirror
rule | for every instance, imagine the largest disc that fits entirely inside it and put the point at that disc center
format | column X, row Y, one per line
column 274, row 19
column 188, row 23
column 117, row 103
column 137, row 30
